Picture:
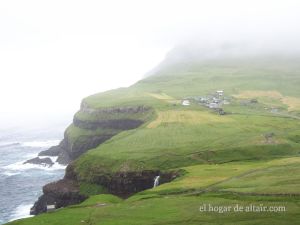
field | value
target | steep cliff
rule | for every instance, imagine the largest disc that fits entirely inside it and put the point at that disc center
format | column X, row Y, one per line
column 92, row 127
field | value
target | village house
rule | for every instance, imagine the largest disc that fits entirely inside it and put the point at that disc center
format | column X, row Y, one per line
column 220, row 92
column 213, row 105
column 213, row 101
column 50, row 208
column 185, row 103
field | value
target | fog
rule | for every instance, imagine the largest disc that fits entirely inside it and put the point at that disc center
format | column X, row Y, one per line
column 54, row 53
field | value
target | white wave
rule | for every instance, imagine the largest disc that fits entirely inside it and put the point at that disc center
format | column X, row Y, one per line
column 20, row 166
column 8, row 144
column 22, row 211
column 53, row 158
column 48, row 143
column 7, row 173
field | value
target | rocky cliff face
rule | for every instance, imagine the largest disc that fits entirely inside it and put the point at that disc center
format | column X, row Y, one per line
column 123, row 184
column 66, row 191
column 59, row 194
column 68, row 151
column 119, row 124
column 123, row 109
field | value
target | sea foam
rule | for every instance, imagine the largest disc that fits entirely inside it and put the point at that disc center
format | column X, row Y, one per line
column 22, row 211
column 41, row 144
column 20, row 166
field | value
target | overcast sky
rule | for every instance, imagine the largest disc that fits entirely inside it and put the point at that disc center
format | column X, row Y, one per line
column 54, row 53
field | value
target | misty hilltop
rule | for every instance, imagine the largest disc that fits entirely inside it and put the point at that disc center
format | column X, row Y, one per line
column 262, row 55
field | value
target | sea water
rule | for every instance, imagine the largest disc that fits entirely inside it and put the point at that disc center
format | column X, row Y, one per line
column 21, row 184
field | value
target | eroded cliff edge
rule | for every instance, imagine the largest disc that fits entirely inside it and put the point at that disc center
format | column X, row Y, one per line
column 90, row 128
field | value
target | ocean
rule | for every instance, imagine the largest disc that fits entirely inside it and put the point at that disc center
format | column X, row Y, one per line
column 21, row 184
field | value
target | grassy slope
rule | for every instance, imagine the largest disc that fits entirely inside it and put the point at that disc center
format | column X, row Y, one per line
column 178, row 202
column 227, row 158
column 181, row 136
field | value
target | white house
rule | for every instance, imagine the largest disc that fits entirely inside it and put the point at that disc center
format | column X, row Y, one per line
column 213, row 105
column 50, row 208
column 220, row 92
column 186, row 102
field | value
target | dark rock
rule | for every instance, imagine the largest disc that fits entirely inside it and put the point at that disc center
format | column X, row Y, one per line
column 80, row 147
column 70, row 173
column 64, row 157
column 40, row 161
column 124, row 184
column 125, row 109
column 118, row 124
column 68, row 152
column 60, row 194
column 40, row 206
column 53, row 151
column 71, row 151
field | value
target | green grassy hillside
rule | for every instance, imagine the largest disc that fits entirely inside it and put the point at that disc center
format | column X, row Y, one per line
column 250, row 155
column 187, row 135
column 190, row 198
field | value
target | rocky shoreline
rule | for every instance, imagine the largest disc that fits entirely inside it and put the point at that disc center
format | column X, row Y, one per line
column 123, row 184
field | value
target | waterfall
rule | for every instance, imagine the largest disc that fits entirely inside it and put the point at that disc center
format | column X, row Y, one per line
column 156, row 181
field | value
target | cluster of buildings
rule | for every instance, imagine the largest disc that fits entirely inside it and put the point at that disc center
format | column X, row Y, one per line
column 213, row 101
